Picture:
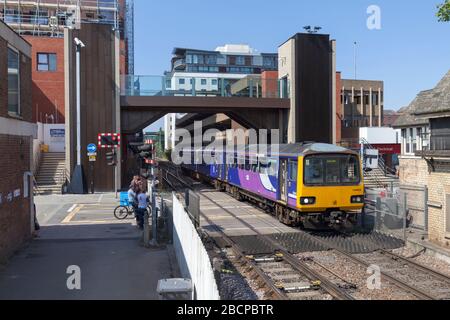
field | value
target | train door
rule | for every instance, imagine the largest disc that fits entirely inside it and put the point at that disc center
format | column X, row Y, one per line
column 283, row 180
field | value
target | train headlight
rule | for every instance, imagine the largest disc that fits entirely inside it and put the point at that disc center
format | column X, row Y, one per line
column 307, row 201
column 357, row 199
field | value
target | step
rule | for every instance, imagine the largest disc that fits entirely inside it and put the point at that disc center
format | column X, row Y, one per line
column 48, row 181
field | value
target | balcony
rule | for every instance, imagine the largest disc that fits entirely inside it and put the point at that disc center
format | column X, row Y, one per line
column 179, row 65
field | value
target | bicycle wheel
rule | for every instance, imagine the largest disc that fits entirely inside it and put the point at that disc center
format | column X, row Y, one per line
column 121, row 212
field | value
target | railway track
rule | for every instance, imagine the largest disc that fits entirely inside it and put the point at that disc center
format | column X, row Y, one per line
column 422, row 282
column 287, row 277
column 283, row 275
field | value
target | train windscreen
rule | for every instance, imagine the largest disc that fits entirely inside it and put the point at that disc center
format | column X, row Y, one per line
column 332, row 170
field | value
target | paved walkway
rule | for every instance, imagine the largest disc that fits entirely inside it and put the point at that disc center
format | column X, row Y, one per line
column 81, row 231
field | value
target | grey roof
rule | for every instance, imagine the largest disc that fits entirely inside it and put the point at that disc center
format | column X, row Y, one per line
column 438, row 99
column 427, row 102
column 289, row 150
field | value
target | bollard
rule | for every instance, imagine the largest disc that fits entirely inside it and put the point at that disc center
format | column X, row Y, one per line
column 405, row 213
column 378, row 223
column 146, row 230
column 154, row 241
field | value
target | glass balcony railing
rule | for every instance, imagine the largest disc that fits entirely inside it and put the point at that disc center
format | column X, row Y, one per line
column 251, row 86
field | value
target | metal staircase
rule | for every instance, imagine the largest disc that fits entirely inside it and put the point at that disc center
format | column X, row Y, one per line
column 51, row 175
column 382, row 177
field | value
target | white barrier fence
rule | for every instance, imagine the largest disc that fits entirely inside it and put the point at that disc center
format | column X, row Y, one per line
column 191, row 254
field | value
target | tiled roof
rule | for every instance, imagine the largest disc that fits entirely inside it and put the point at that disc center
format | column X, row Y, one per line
column 438, row 99
column 427, row 102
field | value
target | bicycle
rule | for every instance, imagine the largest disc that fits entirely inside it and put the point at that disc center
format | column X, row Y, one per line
column 123, row 211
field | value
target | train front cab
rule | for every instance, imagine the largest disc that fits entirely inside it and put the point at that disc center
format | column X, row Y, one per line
column 330, row 188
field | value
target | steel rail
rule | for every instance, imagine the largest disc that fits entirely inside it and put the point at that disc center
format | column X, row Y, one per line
column 416, row 265
column 300, row 267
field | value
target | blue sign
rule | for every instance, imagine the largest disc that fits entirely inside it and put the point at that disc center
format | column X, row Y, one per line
column 57, row 133
column 92, row 148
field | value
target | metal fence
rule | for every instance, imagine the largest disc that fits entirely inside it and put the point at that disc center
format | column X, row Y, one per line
column 417, row 199
column 394, row 211
column 192, row 256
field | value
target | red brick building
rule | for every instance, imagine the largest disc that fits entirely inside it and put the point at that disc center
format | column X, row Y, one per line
column 48, row 79
column 16, row 142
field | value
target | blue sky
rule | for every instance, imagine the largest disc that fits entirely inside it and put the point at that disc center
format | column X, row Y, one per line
column 410, row 53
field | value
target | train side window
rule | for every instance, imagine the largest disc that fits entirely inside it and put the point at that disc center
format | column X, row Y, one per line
column 272, row 168
column 293, row 170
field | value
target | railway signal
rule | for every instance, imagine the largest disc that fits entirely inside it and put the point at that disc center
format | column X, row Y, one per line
column 109, row 140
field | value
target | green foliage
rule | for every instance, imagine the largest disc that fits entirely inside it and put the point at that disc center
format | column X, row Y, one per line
column 444, row 11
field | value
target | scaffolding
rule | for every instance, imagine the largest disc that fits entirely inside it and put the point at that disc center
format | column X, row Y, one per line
column 129, row 34
column 50, row 17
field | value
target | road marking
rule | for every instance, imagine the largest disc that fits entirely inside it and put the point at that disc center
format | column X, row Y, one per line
column 100, row 198
column 71, row 208
column 72, row 214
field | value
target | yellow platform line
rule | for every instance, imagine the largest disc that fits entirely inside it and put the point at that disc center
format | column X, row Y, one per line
column 71, row 215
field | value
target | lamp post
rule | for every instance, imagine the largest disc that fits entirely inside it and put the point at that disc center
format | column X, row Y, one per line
column 79, row 45
column 77, row 183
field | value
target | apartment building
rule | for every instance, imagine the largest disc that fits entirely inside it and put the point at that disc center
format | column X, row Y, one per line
column 229, row 70
column 16, row 142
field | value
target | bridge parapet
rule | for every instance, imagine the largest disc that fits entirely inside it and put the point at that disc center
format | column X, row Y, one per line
column 250, row 86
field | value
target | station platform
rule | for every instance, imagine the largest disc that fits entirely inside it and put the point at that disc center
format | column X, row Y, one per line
column 112, row 260
column 221, row 211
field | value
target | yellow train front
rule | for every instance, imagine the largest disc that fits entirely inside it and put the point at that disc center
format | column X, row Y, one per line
column 330, row 186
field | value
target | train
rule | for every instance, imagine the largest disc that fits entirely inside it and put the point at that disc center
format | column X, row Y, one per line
column 308, row 185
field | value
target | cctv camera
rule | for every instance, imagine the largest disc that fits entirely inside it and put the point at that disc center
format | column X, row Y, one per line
column 78, row 42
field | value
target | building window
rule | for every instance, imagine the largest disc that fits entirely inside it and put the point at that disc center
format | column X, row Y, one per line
column 46, row 62
column 203, row 82
column 240, row 61
column 214, row 82
column 181, row 81
column 13, row 81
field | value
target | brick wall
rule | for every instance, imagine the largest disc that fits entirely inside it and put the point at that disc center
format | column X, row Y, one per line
column 15, row 160
column 3, row 75
column 48, row 87
column 14, row 215
column 415, row 171
column 25, row 89
column 339, row 111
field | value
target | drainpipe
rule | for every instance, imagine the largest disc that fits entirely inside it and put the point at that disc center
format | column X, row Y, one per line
column 28, row 193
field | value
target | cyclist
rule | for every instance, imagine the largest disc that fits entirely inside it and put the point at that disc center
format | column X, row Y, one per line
column 133, row 192
column 142, row 203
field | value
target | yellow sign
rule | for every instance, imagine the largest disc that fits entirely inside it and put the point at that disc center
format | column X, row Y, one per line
column 92, row 158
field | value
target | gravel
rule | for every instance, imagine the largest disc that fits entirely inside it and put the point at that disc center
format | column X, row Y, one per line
column 232, row 281
column 352, row 274
column 423, row 259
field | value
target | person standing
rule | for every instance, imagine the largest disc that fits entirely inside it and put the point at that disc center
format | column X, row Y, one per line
column 142, row 203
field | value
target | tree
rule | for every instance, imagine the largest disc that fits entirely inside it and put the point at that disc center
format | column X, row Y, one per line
column 444, row 11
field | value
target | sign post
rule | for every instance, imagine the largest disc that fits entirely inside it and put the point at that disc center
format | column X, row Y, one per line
column 92, row 154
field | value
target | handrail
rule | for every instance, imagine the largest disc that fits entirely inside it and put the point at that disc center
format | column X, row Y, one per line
column 381, row 163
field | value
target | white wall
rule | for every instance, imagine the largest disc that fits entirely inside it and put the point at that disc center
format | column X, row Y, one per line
column 192, row 256
column 379, row 135
column 209, row 77
column 51, row 137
